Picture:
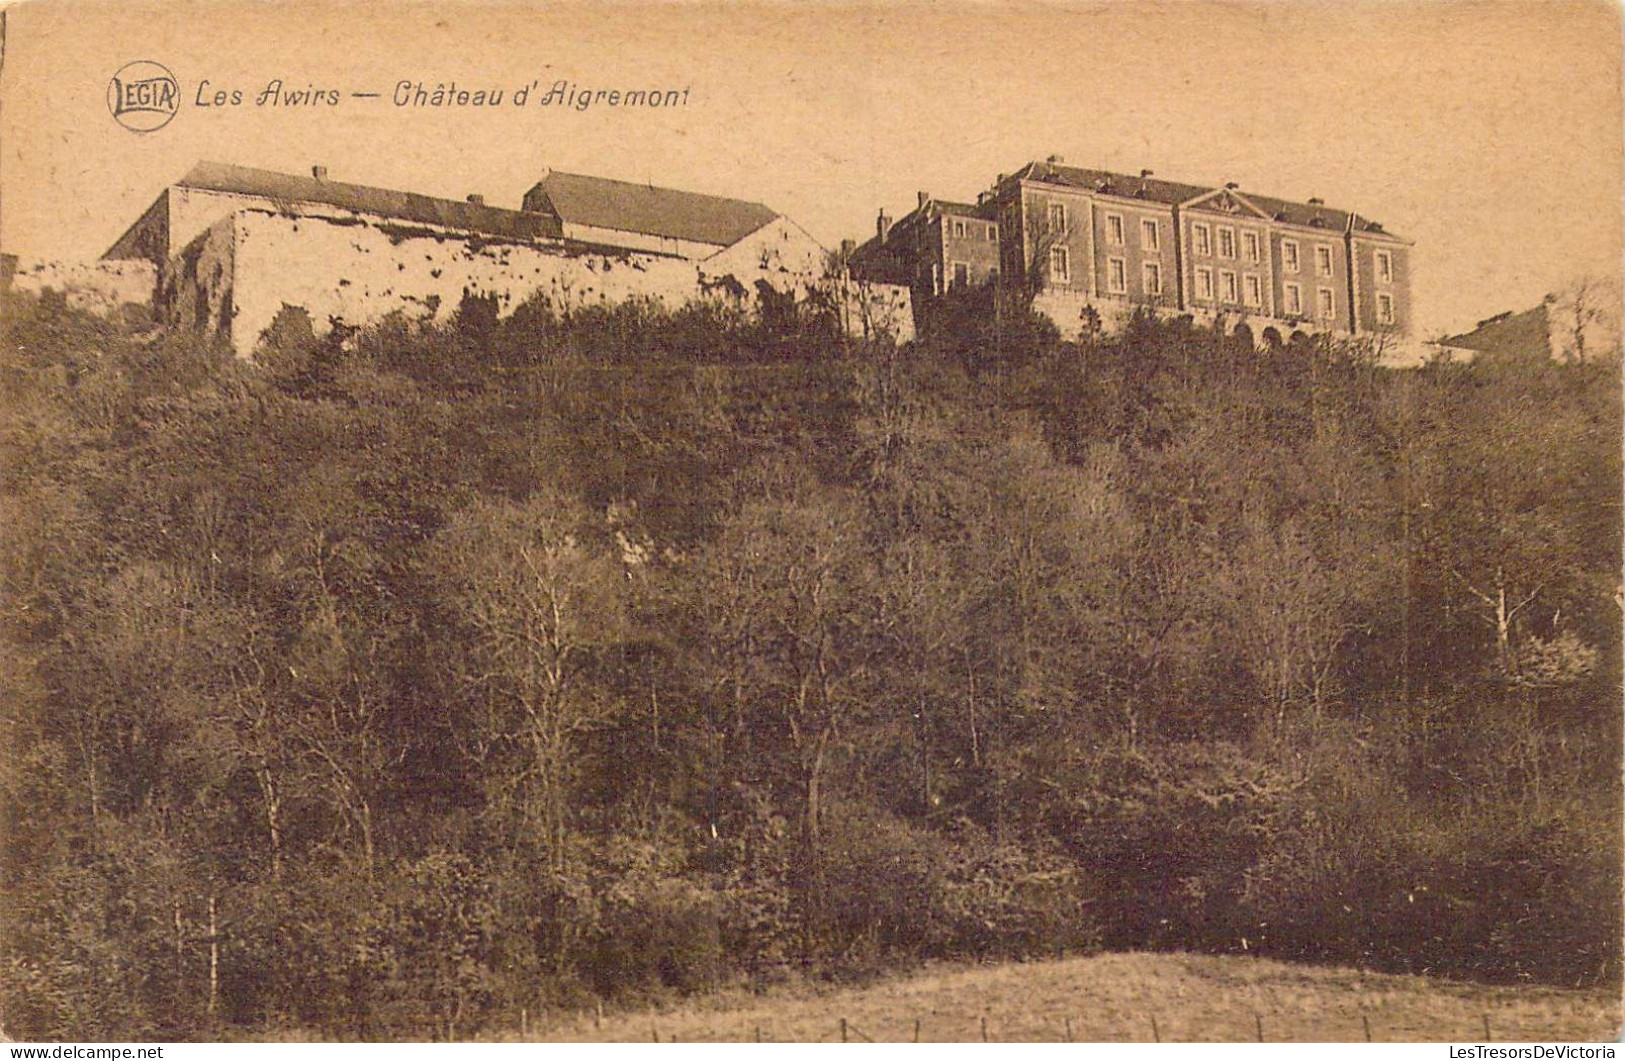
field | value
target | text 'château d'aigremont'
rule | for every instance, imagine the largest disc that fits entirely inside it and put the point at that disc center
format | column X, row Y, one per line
column 564, row 94
column 408, row 94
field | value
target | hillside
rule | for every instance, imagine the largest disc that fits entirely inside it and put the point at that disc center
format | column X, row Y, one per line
column 1114, row 998
column 406, row 680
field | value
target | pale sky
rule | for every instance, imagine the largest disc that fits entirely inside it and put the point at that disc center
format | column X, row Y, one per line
column 1489, row 133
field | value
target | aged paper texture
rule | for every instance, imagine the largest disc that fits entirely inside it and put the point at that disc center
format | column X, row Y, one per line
column 821, row 522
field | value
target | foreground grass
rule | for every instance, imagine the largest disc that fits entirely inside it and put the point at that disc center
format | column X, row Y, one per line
column 1116, row 997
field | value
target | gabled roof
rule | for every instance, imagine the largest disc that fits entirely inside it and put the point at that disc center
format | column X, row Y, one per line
column 1172, row 193
column 289, row 190
column 898, row 237
column 961, row 209
column 602, row 203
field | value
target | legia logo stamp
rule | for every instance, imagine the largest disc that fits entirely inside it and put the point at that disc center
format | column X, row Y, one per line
column 143, row 96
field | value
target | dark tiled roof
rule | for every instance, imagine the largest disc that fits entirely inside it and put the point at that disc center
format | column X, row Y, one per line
column 643, row 208
column 1098, row 180
column 290, row 190
column 1374, row 228
column 1172, row 193
column 1300, row 213
column 959, row 209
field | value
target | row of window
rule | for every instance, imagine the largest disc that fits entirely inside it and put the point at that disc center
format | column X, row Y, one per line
column 1202, row 239
column 1242, row 289
column 973, row 230
column 1202, row 236
column 1116, row 228
column 1060, row 266
column 1248, row 290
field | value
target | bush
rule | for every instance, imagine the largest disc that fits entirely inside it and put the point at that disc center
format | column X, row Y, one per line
column 1486, row 888
column 881, row 880
column 656, row 932
column 1004, row 900
column 893, row 888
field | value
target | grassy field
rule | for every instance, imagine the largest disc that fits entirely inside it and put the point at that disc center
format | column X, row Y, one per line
column 1115, row 997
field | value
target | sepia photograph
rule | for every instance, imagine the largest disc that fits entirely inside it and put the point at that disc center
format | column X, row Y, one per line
column 1092, row 521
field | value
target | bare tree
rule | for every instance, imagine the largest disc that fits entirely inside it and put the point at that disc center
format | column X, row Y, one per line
column 535, row 601
column 1585, row 320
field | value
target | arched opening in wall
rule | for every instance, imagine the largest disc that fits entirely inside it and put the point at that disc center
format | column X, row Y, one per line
column 1298, row 338
column 1244, row 334
column 1272, row 338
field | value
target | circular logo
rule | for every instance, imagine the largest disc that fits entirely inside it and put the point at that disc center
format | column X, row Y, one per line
column 143, row 96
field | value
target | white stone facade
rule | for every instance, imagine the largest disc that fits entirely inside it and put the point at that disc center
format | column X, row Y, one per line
column 235, row 277
column 100, row 287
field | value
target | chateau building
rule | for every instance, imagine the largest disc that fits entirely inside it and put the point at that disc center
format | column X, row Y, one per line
column 1096, row 246
column 226, row 248
column 938, row 246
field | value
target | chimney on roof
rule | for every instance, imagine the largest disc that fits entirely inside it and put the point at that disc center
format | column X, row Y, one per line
column 882, row 226
column 319, row 172
column 847, row 247
column 1317, row 202
column 925, row 197
column 1144, row 173
column 1056, row 160
column 1002, row 178
column 1231, row 185
column 477, row 199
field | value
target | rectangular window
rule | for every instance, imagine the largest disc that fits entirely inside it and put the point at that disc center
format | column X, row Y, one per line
column 1323, row 261
column 1114, row 228
column 959, row 230
column 1202, row 237
column 1150, row 235
column 1227, row 286
column 1060, row 265
column 1294, row 299
column 993, row 233
column 1152, row 275
column 1249, row 245
column 1385, row 309
column 1289, row 255
column 961, row 274
column 1204, row 283
column 1385, row 267
column 1328, row 306
column 1227, row 243
column 1255, row 290
column 1057, row 217
column 1116, row 276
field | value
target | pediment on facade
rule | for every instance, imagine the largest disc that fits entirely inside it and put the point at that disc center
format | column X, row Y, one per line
column 1225, row 201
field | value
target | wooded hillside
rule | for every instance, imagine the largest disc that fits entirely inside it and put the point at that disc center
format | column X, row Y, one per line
column 400, row 680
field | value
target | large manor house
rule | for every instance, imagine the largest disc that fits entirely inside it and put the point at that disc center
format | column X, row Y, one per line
column 1097, row 246
column 225, row 248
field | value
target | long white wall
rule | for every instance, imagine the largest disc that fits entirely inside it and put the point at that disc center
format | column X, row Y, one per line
column 342, row 270
column 99, row 287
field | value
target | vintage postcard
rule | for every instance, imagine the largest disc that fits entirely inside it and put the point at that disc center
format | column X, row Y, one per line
column 852, row 522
